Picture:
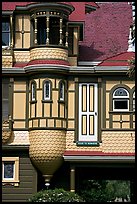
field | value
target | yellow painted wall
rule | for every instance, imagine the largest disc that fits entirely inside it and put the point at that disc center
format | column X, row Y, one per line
column 55, row 103
column 19, row 86
column 19, row 107
column 71, row 105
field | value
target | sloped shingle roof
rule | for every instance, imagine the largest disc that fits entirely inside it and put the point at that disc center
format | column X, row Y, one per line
column 106, row 31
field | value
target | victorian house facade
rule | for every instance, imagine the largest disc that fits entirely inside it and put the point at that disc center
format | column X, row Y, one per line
column 68, row 105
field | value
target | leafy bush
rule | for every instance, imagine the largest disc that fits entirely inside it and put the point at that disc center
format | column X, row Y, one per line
column 56, row 195
column 93, row 191
column 104, row 190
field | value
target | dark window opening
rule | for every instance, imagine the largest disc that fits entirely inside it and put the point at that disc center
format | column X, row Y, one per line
column 120, row 104
column 41, row 34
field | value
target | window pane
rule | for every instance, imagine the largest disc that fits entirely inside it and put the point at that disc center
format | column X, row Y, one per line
column 5, row 109
column 120, row 92
column 119, row 104
column 5, row 25
column 133, row 104
column 8, row 169
column 33, row 91
column 5, row 31
column 61, row 91
column 46, row 89
column 5, row 39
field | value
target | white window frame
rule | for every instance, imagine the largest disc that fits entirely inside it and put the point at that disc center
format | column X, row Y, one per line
column 133, row 101
column 120, row 98
column 44, row 94
column 6, row 46
column 15, row 180
column 33, row 91
column 62, row 91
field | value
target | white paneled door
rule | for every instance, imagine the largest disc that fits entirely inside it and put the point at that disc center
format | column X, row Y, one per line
column 88, row 112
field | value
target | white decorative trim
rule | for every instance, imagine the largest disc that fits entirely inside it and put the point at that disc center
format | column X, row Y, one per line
column 88, row 63
column 20, row 138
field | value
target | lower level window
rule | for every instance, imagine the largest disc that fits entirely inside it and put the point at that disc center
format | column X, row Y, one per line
column 10, row 170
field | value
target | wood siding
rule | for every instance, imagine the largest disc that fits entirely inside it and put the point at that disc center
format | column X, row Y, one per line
column 27, row 177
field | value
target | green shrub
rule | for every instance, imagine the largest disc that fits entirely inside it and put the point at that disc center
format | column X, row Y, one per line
column 56, row 195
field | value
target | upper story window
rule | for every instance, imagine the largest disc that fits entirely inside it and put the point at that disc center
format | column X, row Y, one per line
column 61, row 91
column 133, row 101
column 5, row 31
column 5, row 99
column 49, row 30
column 41, row 27
column 47, row 90
column 120, row 100
column 33, row 91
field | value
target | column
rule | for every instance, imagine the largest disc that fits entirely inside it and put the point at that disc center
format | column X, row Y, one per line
column 60, row 31
column 11, row 31
column 72, row 179
column 47, row 30
column 66, row 44
column 35, row 30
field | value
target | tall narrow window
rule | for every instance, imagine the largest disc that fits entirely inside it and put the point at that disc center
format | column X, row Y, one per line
column 5, row 99
column 61, row 91
column 41, row 31
column 120, row 100
column 47, row 90
column 33, row 91
column 5, row 31
column 134, row 101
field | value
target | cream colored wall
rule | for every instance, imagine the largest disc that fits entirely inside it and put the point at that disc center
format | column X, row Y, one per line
column 111, row 84
column 20, row 86
column 19, row 103
column 112, row 142
column 19, row 107
column 71, row 105
column 54, row 104
column 39, row 104
column 130, row 84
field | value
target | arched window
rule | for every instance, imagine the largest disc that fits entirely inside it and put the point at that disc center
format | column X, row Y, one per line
column 61, row 91
column 47, row 90
column 120, row 100
column 33, row 91
column 133, row 105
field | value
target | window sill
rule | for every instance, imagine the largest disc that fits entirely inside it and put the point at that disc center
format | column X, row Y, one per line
column 12, row 183
column 121, row 112
column 33, row 101
column 61, row 101
column 47, row 101
column 78, row 143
